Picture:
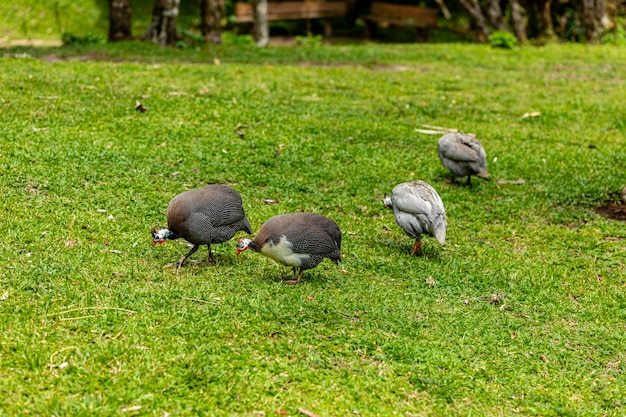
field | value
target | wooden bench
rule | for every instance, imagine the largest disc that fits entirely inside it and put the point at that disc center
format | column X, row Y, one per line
column 388, row 15
column 295, row 10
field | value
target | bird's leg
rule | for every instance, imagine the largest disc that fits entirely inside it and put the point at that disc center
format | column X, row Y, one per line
column 417, row 249
column 469, row 180
column 295, row 281
column 179, row 263
column 212, row 260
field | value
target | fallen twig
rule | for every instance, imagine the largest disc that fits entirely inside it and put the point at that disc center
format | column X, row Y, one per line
column 89, row 308
column 307, row 412
column 50, row 364
column 80, row 317
column 197, row 300
column 440, row 128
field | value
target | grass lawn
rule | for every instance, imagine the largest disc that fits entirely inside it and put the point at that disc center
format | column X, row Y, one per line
column 523, row 311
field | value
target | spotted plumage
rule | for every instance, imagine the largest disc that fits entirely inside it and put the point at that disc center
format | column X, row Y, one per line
column 418, row 210
column 212, row 214
column 463, row 155
column 299, row 240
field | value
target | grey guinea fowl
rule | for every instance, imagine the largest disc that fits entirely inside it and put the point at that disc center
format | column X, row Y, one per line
column 299, row 240
column 463, row 155
column 212, row 214
column 418, row 209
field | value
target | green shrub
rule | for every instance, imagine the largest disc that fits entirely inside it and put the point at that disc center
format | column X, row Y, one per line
column 502, row 39
column 312, row 41
column 88, row 39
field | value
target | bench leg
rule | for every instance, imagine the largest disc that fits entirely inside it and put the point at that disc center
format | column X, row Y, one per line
column 370, row 29
column 328, row 28
column 422, row 34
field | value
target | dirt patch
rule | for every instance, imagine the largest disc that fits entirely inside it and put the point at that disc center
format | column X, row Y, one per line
column 29, row 42
column 613, row 211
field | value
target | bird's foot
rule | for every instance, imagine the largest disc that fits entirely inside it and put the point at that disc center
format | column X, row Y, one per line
column 212, row 261
column 417, row 249
column 291, row 281
column 178, row 264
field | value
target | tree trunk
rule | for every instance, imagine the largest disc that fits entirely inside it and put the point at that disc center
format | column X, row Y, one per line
column 211, row 12
column 162, row 28
column 593, row 12
column 540, row 19
column 519, row 27
column 479, row 18
column 495, row 15
column 547, row 18
column 119, row 20
column 261, row 30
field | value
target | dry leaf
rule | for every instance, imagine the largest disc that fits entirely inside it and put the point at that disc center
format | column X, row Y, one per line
column 545, row 358
column 140, row 107
column 270, row 201
column 307, row 412
column 515, row 182
column 70, row 243
column 531, row 114
column 496, row 298
column 430, row 281
column 216, row 61
column 308, row 297
column 513, row 336
column 133, row 408
column 239, row 130
column 4, row 296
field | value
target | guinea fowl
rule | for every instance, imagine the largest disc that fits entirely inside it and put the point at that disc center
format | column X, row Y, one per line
column 418, row 209
column 463, row 155
column 212, row 214
column 299, row 240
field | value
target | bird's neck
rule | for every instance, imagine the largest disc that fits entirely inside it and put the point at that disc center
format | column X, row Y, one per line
column 168, row 234
column 253, row 246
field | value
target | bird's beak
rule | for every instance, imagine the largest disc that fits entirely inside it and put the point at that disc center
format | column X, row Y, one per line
column 238, row 251
column 154, row 242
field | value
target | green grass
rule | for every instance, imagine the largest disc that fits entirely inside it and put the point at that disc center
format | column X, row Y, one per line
column 91, row 323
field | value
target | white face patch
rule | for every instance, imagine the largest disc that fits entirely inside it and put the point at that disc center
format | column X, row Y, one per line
column 282, row 252
column 163, row 233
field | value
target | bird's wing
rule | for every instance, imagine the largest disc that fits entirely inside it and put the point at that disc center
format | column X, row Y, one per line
column 224, row 209
column 466, row 149
column 310, row 238
column 412, row 201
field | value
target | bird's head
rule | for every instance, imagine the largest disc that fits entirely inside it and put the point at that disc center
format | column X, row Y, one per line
column 159, row 236
column 387, row 201
column 242, row 245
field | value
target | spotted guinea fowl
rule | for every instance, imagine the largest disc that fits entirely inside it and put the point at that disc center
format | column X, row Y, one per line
column 463, row 155
column 299, row 240
column 418, row 209
column 212, row 214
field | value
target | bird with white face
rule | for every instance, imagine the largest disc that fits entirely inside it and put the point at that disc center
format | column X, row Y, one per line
column 212, row 214
column 299, row 240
